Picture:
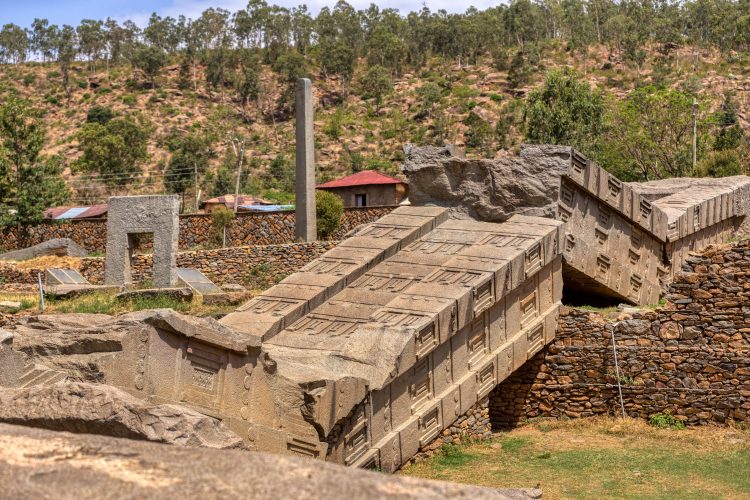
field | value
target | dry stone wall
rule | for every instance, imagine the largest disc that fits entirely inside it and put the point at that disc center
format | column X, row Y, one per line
column 271, row 228
column 691, row 358
column 250, row 264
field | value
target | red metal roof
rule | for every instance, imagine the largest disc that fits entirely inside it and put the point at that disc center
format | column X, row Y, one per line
column 363, row 178
column 76, row 212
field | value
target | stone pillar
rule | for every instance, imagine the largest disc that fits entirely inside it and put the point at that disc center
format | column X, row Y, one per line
column 305, row 227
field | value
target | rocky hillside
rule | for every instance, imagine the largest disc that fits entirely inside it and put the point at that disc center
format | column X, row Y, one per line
column 435, row 105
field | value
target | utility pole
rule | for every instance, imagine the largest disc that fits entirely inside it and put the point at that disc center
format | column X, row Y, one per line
column 197, row 194
column 239, row 151
column 695, row 133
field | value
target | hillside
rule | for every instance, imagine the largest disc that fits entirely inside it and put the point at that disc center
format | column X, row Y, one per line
column 351, row 132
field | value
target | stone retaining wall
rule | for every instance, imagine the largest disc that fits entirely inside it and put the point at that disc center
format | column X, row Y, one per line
column 249, row 228
column 691, row 358
column 256, row 266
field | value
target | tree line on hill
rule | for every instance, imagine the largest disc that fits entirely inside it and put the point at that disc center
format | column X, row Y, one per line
column 230, row 45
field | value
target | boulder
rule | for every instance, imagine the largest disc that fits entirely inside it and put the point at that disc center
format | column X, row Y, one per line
column 103, row 409
column 36, row 463
column 489, row 190
column 181, row 294
column 58, row 246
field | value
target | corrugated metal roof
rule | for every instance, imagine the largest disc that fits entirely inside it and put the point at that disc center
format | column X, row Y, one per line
column 266, row 208
column 62, row 213
column 244, row 199
column 363, row 178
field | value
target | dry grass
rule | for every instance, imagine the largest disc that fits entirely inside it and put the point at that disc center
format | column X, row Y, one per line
column 603, row 458
column 105, row 303
column 49, row 262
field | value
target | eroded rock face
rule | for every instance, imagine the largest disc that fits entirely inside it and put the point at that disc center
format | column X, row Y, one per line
column 36, row 463
column 489, row 190
column 103, row 409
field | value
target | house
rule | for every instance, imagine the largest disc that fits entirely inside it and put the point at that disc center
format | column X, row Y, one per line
column 76, row 213
column 228, row 201
column 367, row 188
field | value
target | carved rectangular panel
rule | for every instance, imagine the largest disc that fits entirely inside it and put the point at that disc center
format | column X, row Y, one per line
column 330, row 326
column 356, row 441
column 331, row 266
column 486, row 379
column 301, row 447
column 420, row 387
column 534, row 259
column 477, row 342
column 529, row 308
column 535, row 340
column 430, row 425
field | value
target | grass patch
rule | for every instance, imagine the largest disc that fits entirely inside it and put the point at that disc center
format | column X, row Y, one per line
column 106, row 303
column 453, row 455
column 603, row 458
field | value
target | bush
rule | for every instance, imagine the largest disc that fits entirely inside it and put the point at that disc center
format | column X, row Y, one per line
column 328, row 209
column 29, row 79
column 128, row 100
column 666, row 421
column 99, row 114
column 219, row 220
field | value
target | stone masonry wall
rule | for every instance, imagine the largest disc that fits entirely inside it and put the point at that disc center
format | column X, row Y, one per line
column 691, row 358
column 272, row 228
column 257, row 265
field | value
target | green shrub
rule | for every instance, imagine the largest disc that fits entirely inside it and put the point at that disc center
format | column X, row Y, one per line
column 666, row 421
column 328, row 209
column 29, row 79
column 83, row 84
column 219, row 220
column 99, row 114
column 128, row 100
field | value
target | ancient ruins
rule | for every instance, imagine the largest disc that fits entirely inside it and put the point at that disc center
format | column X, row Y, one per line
column 129, row 216
column 368, row 353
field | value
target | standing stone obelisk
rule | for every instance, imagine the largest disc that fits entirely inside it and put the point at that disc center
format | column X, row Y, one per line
column 305, row 225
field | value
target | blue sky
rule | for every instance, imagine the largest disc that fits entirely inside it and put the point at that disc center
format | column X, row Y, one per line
column 22, row 12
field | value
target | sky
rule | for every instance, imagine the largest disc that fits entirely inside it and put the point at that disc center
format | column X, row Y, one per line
column 23, row 12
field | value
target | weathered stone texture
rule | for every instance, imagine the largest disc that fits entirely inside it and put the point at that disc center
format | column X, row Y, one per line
column 623, row 240
column 691, row 358
column 103, row 409
column 129, row 216
column 36, row 463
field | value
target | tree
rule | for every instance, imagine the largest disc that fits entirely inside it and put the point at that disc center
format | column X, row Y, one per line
column 191, row 154
column 377, row 84
column 29, row 181
column 14, row 44
column 116, row 151
column 65, row 45
column 651, row 135
column 336, row 58
column 91, row 39
column 149, row 60
column 564, row 110
column 386, row 49
column 328, row 210
column 290, row 67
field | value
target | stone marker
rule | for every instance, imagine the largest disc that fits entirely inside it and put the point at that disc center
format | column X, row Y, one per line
column 305, row 228
column 132, row 215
